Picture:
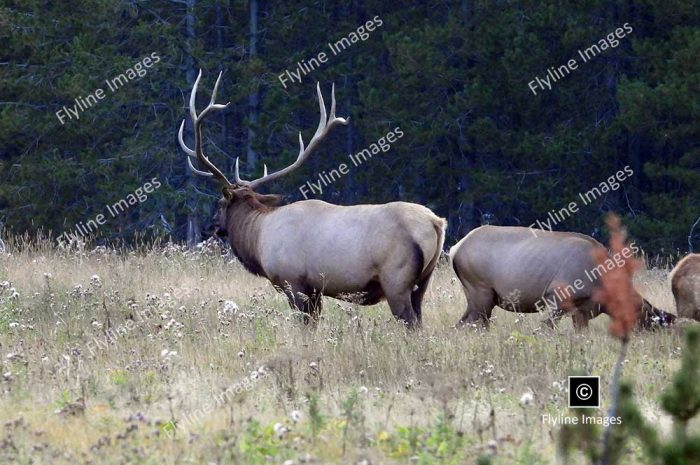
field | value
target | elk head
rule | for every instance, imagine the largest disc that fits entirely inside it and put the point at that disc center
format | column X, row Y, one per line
column 240, row 196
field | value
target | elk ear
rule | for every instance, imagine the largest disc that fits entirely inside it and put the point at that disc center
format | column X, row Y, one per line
column 269, row 200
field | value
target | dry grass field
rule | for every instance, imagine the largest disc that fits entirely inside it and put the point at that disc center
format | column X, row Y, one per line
column 103, row 353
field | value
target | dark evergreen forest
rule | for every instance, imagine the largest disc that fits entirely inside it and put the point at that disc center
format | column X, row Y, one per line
column 499, row 126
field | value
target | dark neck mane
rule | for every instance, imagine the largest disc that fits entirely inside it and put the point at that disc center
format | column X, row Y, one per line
column 244, row 222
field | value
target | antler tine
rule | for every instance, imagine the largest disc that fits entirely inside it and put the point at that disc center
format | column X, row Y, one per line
column 216, row 89
column 301, row 146
column 332, row 117
column 196, row 171
column 243, row 182
column 193, row 97
column 323, row 120
column 212, row 105
column 324, row 126
column 197, row 121
column 335, row 119
column 187, row 150
column 237, row 176
column 190, row 153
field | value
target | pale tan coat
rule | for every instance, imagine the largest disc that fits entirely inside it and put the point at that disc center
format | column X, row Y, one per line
column 359, row 253
column 528, row 270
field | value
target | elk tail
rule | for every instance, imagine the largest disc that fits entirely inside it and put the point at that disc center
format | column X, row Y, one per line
column 439, row 226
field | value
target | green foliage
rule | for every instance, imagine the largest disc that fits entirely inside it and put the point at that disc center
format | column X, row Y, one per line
column 453, row 75
column 582, row 436
column 682, row 398
column 440, row 443
column 317, row 419
column 349, row 405
column 258, row 443
column 64, row 400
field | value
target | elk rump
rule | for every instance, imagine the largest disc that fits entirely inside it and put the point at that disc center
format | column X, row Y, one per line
column 685, row 284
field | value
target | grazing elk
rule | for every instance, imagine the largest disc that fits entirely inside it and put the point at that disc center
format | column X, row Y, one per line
column 527, row 271
column 308, row 249
column 685, row 284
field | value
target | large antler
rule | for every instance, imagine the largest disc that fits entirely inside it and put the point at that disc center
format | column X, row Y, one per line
column 197, row 121
column 324, row 127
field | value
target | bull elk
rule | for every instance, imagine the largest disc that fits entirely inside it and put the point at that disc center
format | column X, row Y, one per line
column 528, row 271
column 309, row 249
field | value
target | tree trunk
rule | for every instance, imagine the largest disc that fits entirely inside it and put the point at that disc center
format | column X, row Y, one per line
column 350, row 196
column 194, row 235
column 252, row 157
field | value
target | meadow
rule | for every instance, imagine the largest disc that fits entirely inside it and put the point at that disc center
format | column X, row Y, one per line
column 164, row 355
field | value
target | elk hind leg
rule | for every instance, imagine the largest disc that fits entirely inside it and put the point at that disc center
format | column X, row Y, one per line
column 398, row 296
column 397, row 281
column 480, row 303
column 417, row 296
column 403, row 310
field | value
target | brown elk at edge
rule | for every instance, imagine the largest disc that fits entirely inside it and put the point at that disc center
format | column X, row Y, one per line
column 685, row 284
column 308, row 249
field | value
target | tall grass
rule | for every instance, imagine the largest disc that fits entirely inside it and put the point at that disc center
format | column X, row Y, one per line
column 118, row 355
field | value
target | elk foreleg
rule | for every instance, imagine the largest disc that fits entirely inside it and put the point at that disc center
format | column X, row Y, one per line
column 312, row 307
column 304, row 300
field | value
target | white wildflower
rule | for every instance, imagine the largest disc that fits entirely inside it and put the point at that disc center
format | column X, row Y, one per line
column 77, row 291
column 230, row 307
column 95, row 281
column 280, row 430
